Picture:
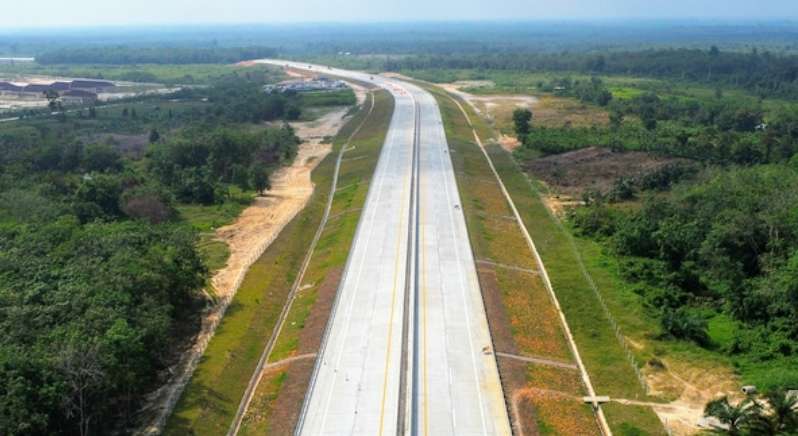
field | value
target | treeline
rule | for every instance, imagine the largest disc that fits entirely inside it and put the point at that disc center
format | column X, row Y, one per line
column 717, row 131
column 199, row 164
column 123, row 55
column 763, row 73
column 727, row 243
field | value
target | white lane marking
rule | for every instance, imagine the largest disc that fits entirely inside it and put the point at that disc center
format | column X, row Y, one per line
column 463, row 292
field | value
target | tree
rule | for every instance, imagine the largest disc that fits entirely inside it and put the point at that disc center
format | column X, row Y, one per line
column 83, row 373
column 738, row 419
column 52, row 99
column 522, row 119
column 616, row 119
column 783, row 412
column 154, row 136
column 92, row 112
column 102, row 157
column 259, row 177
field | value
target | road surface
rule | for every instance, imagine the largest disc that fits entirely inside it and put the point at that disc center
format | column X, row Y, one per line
column 407, row 349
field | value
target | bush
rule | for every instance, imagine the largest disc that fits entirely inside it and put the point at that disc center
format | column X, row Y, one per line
column 684, row 324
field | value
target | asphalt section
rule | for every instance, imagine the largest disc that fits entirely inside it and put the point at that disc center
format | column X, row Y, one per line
column 410, row 262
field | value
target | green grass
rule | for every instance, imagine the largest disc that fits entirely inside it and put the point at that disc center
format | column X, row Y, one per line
column 207, row 218
column 214, row 252
column 628, row 420
column 212, row 396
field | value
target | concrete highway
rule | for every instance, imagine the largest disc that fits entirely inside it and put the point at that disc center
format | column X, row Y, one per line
column 407, row 349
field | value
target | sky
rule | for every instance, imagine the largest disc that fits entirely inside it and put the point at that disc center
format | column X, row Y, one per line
column 69, row 13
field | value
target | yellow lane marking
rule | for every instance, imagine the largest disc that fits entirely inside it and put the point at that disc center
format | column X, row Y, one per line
column 399, row 234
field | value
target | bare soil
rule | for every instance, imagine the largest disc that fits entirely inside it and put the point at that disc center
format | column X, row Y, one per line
column 692, row 387
column 571, row 174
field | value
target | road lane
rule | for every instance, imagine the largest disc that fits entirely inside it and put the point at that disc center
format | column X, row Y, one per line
column 459, row 390
column 452, row 381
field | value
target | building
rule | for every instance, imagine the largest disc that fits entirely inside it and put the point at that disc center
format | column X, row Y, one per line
column 73, row 90
column 91, row 85
column 317, row 84
column 10, row 88
column 78, row 96
column 36, row 88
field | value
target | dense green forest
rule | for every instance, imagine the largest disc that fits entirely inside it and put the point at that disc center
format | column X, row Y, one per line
column 100, row 277
column 123, row 55
column 762, row 73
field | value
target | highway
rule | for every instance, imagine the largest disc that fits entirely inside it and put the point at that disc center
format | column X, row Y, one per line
column 407, row 349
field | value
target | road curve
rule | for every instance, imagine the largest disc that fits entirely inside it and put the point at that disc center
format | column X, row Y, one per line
column 409, row 299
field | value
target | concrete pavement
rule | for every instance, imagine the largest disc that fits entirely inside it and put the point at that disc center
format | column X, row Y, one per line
column 410, row 280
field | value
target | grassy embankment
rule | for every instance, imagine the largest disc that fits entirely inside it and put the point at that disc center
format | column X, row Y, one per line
column 329, row 257
column 210, row 400
column 601, row 352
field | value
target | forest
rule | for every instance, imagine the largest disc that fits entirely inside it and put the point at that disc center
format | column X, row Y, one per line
column 125, row 55
column 100, row 276
column 711, row 235
column 762, row 73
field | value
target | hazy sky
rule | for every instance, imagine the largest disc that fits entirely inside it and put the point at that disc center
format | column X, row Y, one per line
column 37, row 13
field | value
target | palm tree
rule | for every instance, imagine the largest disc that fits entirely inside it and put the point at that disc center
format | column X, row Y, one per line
column 783, row 413
column 736, row 420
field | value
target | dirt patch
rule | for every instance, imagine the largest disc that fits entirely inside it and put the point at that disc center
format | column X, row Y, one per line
column 496, row 109
column 286, row 408
column 692, row 387
column 509, row 143
column 559, row 204
column 554, row 111
column 571, row 174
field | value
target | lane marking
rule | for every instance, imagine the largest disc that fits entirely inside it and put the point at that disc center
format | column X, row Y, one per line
column 399, row 233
